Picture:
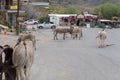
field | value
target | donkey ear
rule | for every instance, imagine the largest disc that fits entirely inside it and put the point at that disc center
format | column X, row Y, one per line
column 6, row 46
column 8, row 49
column 1, row 47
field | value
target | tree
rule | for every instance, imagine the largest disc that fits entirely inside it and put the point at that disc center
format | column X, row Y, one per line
column 70, row 10
column 44, row 18
column 107, row 10
column 31, row 12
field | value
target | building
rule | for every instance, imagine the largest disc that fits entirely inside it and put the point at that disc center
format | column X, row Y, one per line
column 62, row 19
column 8, row 10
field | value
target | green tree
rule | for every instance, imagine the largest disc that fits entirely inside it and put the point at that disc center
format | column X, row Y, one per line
column 107, row 10
column 44, row 19
column 118, row 10
column 70, row 10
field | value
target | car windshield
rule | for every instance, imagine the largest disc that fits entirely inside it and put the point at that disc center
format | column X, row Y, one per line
column 30, row 20
column 51, row 22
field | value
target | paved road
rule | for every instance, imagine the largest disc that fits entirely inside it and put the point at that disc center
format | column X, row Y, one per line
column 76, row 59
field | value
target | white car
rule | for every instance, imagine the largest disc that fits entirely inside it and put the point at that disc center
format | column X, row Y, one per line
column 31, row 21
column 49, row 25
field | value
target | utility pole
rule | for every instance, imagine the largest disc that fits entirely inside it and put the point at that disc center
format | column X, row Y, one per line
column 17, row 16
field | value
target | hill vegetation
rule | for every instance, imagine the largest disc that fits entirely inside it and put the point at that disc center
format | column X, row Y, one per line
column 77, row 7
column 91, row 2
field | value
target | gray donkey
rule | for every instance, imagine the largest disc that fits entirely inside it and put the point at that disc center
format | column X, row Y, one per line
column 23, row 56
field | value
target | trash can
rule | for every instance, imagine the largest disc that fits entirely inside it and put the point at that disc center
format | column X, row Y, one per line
column 88, row 25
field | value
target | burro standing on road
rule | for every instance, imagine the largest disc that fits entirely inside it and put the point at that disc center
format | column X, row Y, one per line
column 77, row 32
column 62, row 30
column 23, row 57
column 102, row 37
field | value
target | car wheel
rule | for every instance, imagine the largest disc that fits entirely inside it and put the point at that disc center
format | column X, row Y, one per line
column 40, row 27
column 53, row 27
column 35, row 23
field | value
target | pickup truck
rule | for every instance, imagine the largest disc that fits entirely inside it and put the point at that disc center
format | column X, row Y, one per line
column 49, row 25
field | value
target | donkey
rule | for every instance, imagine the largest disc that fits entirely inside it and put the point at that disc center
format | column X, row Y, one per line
column 25, row 36
column 1, row 63
column 62, row 30
column 77, row 33
column 23, row 57
column 7, row 64
column 102, row 37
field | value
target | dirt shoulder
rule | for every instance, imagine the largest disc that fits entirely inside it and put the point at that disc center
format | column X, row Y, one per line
column 9, row 39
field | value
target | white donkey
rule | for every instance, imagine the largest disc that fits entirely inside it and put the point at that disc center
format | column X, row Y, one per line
column 102, row 37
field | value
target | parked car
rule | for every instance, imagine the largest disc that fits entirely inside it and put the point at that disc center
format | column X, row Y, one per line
column 49, row 25
column 104, row 23
column 31, row 21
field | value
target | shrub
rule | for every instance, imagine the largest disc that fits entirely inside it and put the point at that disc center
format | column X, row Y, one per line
column 44, row 19
column 70, row 10
column 107, row 10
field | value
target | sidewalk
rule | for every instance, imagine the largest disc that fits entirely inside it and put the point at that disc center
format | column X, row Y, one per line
column 10, row 38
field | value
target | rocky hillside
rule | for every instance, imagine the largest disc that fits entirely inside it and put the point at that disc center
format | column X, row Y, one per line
column 92, row 2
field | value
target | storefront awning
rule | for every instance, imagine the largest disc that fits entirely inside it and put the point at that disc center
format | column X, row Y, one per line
column 3, row 26
column 14, row 11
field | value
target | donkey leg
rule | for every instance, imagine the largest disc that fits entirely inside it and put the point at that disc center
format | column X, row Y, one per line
column 23, row 74
column 103, row 42
column 27, row 73
column 80, row 35
column 99, row 43
column 0, row 75
column 64, row 36
column 76, row 35
column 73, row 36
column 18, row 74
column 55, row 36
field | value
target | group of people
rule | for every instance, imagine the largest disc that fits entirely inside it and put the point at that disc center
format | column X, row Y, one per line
column 79, row 21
